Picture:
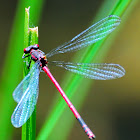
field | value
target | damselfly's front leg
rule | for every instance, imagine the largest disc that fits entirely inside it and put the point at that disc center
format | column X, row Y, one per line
column 27, row 63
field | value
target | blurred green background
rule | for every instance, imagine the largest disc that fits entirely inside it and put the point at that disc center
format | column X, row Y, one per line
column 111, row 108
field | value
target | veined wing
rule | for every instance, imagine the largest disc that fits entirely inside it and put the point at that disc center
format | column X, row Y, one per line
column 28, row 97
column 100, row 71
column 89, row 36
column 23, row 85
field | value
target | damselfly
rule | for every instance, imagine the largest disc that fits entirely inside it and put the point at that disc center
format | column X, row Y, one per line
column 26, row 93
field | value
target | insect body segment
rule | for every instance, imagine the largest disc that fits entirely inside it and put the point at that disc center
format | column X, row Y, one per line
column 36, row 54
column 39, row 55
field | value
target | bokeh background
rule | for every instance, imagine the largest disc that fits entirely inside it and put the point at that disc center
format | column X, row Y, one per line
column 110, row 108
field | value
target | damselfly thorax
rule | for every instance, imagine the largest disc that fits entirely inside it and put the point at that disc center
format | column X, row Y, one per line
column 36, row 54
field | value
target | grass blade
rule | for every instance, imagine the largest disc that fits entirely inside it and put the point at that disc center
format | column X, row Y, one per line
column 30, row 38
column 12, row 72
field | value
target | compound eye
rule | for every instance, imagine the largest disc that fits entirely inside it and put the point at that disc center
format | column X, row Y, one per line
column 36, row 46
column 27, row 50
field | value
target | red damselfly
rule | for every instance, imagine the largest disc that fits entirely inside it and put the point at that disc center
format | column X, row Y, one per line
column 26, row 93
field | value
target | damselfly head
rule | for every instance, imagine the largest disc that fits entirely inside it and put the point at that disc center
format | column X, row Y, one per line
column 29, row 48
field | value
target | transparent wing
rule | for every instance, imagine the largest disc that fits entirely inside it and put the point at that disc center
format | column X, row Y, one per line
column 20, row 89
column 27, row 98
column 101, row 71
column 89, row 36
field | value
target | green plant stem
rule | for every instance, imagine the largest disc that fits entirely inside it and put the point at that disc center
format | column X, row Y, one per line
column 30, row 38
column 12, row 63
